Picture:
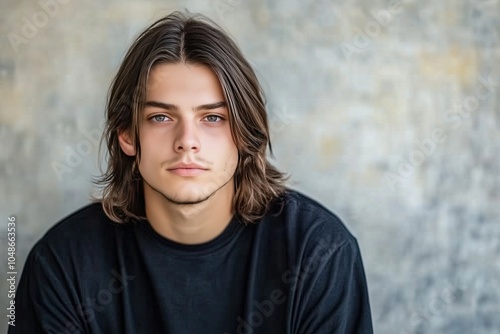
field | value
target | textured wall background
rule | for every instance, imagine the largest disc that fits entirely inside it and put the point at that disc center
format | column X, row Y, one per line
column 387, row 112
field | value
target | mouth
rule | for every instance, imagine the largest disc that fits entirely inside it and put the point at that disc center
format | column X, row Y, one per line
column 187, row 171
column 187, row 165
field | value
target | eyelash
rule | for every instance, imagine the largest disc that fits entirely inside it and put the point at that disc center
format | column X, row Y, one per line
column 220, row 118
column 153, row 118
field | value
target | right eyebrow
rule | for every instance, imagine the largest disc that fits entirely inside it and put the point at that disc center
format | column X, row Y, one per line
column 170, row 106
column 167, row 106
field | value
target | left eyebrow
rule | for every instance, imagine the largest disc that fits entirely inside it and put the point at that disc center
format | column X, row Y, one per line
column 169, row 106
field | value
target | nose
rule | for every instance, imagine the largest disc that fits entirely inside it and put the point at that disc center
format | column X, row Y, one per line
column 186, row 138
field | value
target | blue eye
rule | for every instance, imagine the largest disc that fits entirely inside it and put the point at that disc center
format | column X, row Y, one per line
column 213, row 118
column 159, row 118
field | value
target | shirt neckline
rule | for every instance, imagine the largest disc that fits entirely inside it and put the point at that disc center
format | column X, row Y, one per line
column 234, row 227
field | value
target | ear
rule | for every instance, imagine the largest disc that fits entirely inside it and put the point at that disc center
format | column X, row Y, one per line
column 126, row 143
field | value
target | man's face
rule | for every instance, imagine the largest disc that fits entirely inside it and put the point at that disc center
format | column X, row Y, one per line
column 186, row 121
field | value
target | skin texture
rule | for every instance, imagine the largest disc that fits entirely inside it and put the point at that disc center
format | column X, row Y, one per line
column 188, row 209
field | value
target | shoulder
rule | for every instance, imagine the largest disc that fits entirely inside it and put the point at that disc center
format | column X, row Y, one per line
column 309, row 224
column 86, row 227
column 325, row 276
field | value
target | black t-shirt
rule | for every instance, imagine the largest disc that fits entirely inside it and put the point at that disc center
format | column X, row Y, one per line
column 299, row 270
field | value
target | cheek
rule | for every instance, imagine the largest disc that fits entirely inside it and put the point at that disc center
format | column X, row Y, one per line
column 232, row 157
column 221, row 151
column 233, row 151
column 153, row 145
column 224, row 144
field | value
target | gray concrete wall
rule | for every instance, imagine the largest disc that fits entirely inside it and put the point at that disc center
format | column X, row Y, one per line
column 387, row 112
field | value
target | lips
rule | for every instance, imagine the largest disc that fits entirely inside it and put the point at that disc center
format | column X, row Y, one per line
column 187, row 169
column 190, row 165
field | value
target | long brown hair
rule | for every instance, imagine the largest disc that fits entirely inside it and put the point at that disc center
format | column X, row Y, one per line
column 194, row 39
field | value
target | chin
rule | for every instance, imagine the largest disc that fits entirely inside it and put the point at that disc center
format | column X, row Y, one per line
column 187, row 197
column 189, row 193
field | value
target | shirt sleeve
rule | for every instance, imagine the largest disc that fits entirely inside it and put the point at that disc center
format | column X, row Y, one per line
column 334, row 293
column 45, row 301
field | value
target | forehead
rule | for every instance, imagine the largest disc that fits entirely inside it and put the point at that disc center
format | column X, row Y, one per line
column 181, row 80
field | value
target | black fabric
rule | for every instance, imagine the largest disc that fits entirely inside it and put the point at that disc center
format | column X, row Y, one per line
column 299, row 270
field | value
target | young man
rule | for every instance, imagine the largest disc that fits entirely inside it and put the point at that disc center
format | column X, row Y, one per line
column 196, row 231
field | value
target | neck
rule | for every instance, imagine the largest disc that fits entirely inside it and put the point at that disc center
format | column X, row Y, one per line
column 190, row 223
